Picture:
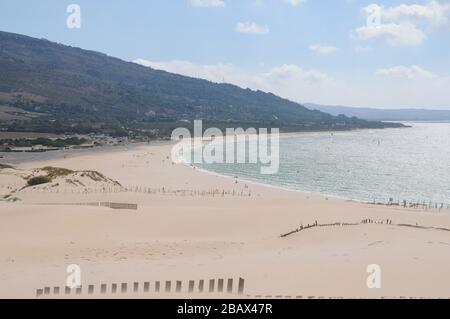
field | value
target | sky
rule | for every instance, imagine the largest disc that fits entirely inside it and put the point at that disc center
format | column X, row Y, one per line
column 385, row 54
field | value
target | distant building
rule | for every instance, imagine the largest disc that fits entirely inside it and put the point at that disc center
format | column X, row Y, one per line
column 20, row 149
column 37, row 148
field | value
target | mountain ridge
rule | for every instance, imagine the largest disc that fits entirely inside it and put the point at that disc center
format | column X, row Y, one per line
column 81, row 90
column 375, row 114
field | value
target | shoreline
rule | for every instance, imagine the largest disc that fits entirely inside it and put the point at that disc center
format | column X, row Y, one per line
column 223, row 140
column 164, row 141
column 317, row 194
column 132, row 146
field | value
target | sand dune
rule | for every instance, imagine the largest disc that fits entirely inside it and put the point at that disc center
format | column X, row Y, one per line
column 191, row 225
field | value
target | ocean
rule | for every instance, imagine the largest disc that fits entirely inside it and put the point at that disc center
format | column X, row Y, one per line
column 411, row 164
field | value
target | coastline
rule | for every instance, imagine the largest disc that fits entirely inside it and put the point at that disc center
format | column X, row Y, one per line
column 160, row 141
column 323, row 195
column 131, row 146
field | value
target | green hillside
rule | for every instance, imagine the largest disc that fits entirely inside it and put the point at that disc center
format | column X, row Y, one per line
column 76, row 90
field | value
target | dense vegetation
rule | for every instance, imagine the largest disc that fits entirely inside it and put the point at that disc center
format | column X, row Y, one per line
column 38, row 180
column 22, row 142
column 51, row 173
column 54, row 172
column 81, row 91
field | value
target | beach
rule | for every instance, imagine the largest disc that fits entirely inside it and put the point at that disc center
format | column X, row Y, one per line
column 191, row 225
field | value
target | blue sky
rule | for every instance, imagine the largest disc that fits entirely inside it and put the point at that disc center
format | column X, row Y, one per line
column 318, row 51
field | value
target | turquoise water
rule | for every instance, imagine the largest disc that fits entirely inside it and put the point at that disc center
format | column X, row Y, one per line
column 410, row 164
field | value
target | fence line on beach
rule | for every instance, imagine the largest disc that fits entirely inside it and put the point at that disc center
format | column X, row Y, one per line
column 420, row 204
column 118, row 206
column 425, row 205
column 366, row 221
column 143, row 190
column 220, row 286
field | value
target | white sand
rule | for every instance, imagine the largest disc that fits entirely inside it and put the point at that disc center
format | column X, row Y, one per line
column 192, row 235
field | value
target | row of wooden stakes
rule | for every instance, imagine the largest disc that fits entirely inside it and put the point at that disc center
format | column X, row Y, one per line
column 202, row 286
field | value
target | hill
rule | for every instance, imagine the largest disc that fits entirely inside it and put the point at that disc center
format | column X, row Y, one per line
column 76, row 90
column 374, row 114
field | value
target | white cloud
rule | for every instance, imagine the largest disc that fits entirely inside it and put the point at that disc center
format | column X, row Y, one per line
column 435, row 13
column 251, row 28
column 208, row 3
column 292, row 72
column 404, row 24
column 393, row 34
column 323, row 49
column 222, row 72
column 229, row 73
column 413, row 72
column 288, row 80
column 294, row 3
column 392, row 87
